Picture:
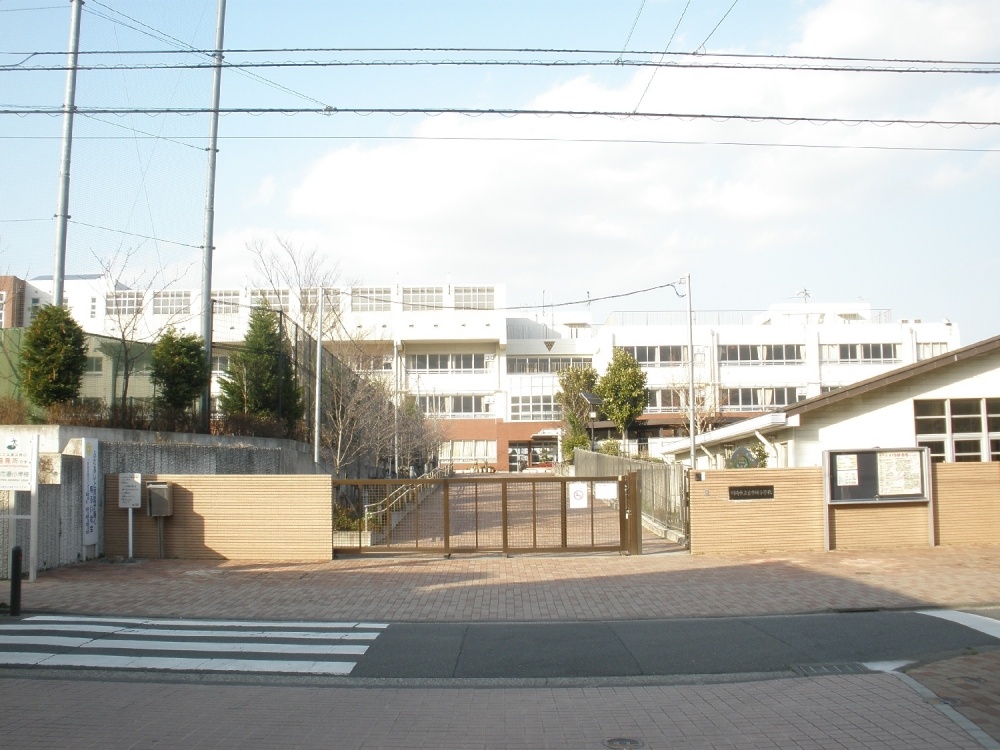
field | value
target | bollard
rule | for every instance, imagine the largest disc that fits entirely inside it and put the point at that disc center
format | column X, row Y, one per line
column 16, row 559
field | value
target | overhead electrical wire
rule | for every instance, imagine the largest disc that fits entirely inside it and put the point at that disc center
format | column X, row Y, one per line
column 473, row 112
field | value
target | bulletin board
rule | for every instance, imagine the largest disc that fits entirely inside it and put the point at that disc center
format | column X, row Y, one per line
column 877, row 475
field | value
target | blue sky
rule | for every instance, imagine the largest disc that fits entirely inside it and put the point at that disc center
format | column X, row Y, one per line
column 903, row 217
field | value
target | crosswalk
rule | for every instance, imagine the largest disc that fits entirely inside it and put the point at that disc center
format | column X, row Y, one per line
column 315, row 648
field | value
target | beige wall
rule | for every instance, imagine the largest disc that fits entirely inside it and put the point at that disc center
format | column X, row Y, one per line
column 231, row 517
column 793, row 520
column 966, row 512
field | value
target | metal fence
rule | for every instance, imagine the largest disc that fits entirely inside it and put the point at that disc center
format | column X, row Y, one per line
column 662, row 490
column 488, row 514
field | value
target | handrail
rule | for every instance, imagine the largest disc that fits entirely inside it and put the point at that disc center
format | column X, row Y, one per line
column 390, row 501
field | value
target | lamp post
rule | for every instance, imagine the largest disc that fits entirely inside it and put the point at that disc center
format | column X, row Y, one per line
column 692, row 427
column 593, row 401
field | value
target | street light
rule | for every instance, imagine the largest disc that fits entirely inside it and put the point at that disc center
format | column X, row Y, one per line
column 686, row 282
column 594, row 402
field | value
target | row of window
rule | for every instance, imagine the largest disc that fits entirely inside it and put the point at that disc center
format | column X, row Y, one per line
column 779, row 354
column 521, row 365
column 958, row 429
column 455, row 405
column 363, row 299
column 448, row 362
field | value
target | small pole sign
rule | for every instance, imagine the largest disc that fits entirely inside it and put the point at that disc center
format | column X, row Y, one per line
column 130, row 496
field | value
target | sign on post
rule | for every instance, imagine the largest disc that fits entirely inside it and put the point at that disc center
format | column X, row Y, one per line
column 90, row 474
column 19, row 473
column 130, row 490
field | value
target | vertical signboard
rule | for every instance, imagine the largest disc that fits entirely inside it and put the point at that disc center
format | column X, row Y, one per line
column 90, row 472
column 19, row 473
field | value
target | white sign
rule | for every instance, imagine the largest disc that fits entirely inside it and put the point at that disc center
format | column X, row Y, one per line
column 606, row 490
column 90, row 473
column 847, row 477
column 899, row 473
column 130, row 490
column 17, row 462
column 579, row 494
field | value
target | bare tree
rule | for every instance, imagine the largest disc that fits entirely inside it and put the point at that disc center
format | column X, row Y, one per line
column 129, row 298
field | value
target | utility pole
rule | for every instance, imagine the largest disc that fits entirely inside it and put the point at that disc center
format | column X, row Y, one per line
column 206, row 267
column 69, row 107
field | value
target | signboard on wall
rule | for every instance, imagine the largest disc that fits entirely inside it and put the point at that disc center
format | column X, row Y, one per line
column 877, row 475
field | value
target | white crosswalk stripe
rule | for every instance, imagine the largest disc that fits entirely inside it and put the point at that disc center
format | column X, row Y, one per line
column 187, row 645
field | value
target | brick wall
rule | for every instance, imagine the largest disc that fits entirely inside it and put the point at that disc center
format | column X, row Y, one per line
column 793, row 520
column 234, row 517
column 879, row 526
column 967, row 503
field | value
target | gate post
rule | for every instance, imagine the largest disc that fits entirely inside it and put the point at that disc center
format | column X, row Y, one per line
column 635, row 513
column 445, row 483
column 503, row 513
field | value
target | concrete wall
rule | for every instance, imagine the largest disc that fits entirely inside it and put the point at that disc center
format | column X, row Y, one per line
column 967, row 507
column 236, row 517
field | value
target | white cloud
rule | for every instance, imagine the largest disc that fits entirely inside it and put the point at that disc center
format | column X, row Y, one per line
column 560, row 213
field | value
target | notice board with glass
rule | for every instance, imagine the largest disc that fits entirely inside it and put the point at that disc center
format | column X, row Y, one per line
column 877, row 475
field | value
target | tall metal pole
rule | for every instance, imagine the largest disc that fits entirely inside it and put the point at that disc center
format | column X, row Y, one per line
column 69, row 107
column 692, row 427
column 317, row 412
column 206, row 267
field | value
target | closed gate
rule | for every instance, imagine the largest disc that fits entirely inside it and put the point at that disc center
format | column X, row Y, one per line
column 488, row 514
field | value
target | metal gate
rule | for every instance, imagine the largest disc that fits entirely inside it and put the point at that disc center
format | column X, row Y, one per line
column 488, row 514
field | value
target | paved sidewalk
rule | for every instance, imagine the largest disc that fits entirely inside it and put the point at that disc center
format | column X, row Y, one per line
column 868, row 710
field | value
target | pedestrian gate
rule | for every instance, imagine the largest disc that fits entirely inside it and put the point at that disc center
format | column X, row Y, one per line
column 507, row 514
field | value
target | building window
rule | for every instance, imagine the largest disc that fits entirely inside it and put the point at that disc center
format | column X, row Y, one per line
column 458, row 363
column 759, row 399
column 123, row 303
column 657, row 356
column 171, row 303
column 95, row 366
column 220, row 364
column 474, row 298
column 958, row 429
column 371, row 299
column 761, row 354
column 926, row 351
column 523, row 365
column 226, row 302
column 93, row 307
column 539, row 408
column 468, row 450
column 310, row 301
column 423, row 298
column 867, row 353
column 455, row 406
column 276, row 299
column 665, row 400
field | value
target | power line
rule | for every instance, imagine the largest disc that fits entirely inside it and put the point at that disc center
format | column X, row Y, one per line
column 518, row 139
column 474, row 112
column 620, row 62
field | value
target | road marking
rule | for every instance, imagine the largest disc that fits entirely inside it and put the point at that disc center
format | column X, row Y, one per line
column 986, row 625
column 140, row 643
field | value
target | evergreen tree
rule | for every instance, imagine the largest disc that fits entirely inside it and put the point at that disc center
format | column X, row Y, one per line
column 573, row 383
column 53, row 357
column 622, row 390
column 261, row 381
column 180, row 372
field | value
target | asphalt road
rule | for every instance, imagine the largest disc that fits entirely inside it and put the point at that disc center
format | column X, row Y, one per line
column 663, row 647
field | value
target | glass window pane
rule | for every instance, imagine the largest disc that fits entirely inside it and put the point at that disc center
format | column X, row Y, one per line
column 929, row 408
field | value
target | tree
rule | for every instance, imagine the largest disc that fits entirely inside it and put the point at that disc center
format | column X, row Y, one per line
column 573, row 383
column 180, row 372
column 622, row 390
column 261, row 382
column 53, row 357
